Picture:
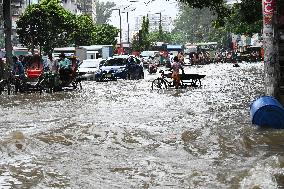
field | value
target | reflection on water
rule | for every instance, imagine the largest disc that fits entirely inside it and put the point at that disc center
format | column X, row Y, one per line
column 124, row 135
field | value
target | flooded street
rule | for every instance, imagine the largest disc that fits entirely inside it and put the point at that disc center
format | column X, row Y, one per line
column 122, row 134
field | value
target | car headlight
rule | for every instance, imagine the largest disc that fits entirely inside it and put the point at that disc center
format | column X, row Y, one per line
column 98, row 72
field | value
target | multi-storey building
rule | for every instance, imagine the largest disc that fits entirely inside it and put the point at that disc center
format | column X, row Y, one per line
column 154, row 22
column 72, row 6
column 88, row 7
column 17, row 8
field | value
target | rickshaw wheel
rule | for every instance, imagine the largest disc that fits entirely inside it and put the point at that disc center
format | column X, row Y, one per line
column 159, row 84
column 75, row 85
column 5, row 88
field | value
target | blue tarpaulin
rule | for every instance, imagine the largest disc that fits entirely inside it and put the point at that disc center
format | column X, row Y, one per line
column 169, row 47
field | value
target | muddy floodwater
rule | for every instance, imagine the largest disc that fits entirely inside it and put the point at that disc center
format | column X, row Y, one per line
column 122, row 134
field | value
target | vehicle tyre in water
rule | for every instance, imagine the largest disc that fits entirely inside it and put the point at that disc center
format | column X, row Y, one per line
column 159, row 84
column 5, row 87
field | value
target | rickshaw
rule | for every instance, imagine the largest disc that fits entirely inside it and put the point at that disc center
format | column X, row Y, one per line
column 186, row 80
column 24, row 81
column 63, row 79
column 34, row 76
column 38, row 79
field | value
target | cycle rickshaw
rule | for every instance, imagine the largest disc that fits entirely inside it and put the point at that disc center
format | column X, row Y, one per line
column 186, row 80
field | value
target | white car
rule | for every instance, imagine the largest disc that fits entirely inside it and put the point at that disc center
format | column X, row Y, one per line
column 88, row 68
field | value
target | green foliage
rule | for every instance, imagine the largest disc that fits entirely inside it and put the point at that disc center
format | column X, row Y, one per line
column 47, row 25
column 214, row 23
column 245, row 20
column 135, row 43
column 195, row 25
column 103, row 11
column 144, row 39
column 203, row 3
column 145, row 43
column 217, row 7
column 105, row 34
column 2, row 41
column 141, row 40
column 177, row 38
column 160, row 36
column 250, row 11
column 161, row 33
column 83, row 34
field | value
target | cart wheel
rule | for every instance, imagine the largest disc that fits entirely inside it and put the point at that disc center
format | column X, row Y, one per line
column 11, row 89
column 183, row 85
column 74, row 85
column 78, row 84
column 159, row 84
column 5, row 88
column 199, row 81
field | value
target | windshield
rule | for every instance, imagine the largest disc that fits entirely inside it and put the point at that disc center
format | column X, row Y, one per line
column 90, row 64
column 115, row 62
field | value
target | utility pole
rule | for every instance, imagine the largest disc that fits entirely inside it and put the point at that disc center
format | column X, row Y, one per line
column 160, row 18
column 127, row 27
column 8, row 31
column 120, row 31
column 280, row 35
column 271, row 65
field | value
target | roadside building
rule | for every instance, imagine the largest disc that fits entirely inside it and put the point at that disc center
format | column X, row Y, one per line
column 87, row 7
column 154, row 22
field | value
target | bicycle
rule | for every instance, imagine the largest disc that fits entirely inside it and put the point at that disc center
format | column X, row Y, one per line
column 193, row 80
column 163, row 83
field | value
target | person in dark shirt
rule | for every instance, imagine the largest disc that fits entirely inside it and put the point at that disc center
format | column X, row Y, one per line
column 18, row 68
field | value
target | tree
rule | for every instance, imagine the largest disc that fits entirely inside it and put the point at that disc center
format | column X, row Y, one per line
column 105, row 34
column 141, row 41
column 144, row 41
column 47, row 25
column 242, row 20
column 218, row 7
column 83, row 33
column 250, row 10
column 195, row 25
column 161, row 32
column 135, row 43
column 103, row 11
column 160, row 36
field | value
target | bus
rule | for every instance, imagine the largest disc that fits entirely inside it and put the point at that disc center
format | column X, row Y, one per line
column 209, row 47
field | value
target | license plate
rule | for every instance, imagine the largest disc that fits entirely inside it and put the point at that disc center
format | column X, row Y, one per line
column 108, row 75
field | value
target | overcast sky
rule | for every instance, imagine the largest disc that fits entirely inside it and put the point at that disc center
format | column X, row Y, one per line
column 142, row 7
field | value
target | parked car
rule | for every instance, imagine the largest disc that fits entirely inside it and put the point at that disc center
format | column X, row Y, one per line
column 118, row 67
column 88, row 68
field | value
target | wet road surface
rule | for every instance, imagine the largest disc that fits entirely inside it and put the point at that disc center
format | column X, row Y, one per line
column 124, row 135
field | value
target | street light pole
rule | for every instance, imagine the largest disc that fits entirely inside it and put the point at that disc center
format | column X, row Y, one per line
column 120, row 32
column 160, row 18
column 127, row 27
